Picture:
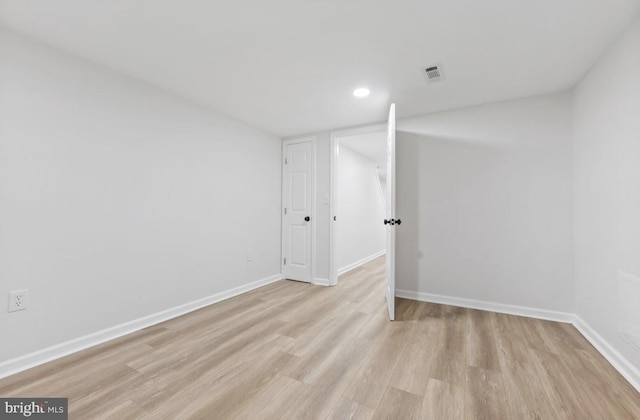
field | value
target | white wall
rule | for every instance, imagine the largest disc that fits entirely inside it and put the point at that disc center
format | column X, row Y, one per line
column 360, row 233
column 485, row 198
column 118, row 200
column 606, row 133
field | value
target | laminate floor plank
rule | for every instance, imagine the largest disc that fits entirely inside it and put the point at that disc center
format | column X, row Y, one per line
column 295, row 351
column 509, row 342
column 480, row 343
column 327, row 387
column 484, row 394
column 398, row 404
column 207, row 367
column 124, row 410
column 619, row 391
column 432, row 311
column 597, row 386
column 98, row 402
column 200, row 354
column 412, row 375
column 449, row 359
column 376, row 326
column 372, row 379
column 443, row 400
column 525, row 395
column 535, row 337
column 280, row 393
column 373, row 301
column 330, row 331
column 314, row 359
column 227, row 395
column 72, row 378
column 408, row 310
column 68, row 367
column 565, row 385
column 349, row 410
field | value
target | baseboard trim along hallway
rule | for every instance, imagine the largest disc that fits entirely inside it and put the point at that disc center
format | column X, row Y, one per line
column 361, row 262
column 291, row 350
column 19, row 364
column 620, row 363
column 57, row 351
column 501, row 308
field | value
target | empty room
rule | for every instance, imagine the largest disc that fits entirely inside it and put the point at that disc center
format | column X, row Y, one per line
column 320, row 209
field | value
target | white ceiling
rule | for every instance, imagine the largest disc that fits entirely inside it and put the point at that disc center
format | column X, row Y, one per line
column 289, row 66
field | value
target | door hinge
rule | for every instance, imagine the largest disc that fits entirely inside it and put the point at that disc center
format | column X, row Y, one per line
column 285, row 161
column 285, row 261
column 285, row 210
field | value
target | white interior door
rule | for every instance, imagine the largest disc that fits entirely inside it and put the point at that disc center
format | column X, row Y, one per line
column 297, row 215
column 391, row 222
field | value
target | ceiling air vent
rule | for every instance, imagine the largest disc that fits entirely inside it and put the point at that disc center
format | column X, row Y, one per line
column 433, row 73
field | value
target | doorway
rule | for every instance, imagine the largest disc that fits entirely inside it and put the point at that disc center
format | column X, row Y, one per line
column 298, row 192
column 360, row 202
column 389, row 202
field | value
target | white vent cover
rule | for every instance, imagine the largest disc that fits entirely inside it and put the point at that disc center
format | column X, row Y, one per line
column 433, row 73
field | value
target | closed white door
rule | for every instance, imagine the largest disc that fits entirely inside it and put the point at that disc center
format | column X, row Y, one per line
column 391, row 222
column 297, row 193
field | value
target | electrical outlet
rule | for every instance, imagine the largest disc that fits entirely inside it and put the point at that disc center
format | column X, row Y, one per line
column 249, row 256
column 18, row 300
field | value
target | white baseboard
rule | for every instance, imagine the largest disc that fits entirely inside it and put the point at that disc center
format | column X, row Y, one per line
column 549, row 315
column 357, row 264
column 319, row 281
column 57, row 351
column 19, row 364
column 618, row 361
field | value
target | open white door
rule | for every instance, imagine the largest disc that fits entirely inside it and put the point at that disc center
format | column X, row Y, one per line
column 297, row 204
column 391, row 221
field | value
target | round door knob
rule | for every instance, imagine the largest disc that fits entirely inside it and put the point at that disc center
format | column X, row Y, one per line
column 398, row 221
column 307, row 218
column 386, row 221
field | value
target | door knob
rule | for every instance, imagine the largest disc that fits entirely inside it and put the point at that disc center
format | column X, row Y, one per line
column 307, row 218
column 398, row 221
column 386, row 221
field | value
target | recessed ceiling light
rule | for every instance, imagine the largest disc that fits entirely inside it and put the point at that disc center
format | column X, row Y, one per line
column 361, row 92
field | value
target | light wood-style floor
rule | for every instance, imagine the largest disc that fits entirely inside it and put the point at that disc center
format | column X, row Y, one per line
column 295, row 351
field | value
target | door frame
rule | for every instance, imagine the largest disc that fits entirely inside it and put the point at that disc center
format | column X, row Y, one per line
column 335, row 142
column 390, row 213
column 312, row 139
